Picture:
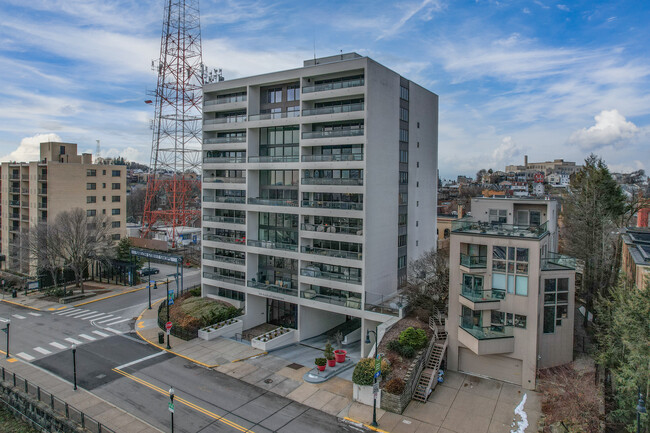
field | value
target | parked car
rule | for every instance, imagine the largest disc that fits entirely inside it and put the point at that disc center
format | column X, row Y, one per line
column 149, row 271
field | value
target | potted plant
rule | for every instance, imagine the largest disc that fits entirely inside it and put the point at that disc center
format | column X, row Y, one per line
column 340, row 354
column 329, row 355
column 320, row 363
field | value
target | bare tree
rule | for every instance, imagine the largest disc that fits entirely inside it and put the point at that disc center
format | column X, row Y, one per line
column 135, row 203
column 427, row 281
column 83, row 239
column 44, row 246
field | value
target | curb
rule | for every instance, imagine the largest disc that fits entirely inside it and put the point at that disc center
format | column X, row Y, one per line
column 20, row 305
column 368, row 426
column 249, row 357
column 110, row 296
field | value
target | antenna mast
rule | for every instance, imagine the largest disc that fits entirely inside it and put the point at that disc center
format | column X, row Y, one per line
column 173, row 187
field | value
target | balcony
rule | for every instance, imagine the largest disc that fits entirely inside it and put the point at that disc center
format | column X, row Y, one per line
column 317, row 273
column 341, row 254
column 273, row 288
column 332, row 86
column 273, row 202
column 227, row 239
column 333, row 158
column 224, row 180
column 14, row 177
column 268, row 116
column 223, row 219
column 344, row 205
column 333, row 110
column 14, row 190
column 558, row 262
column 226, row 100
column 479, row 299
column 224, row 259
column 471, row 226
column 42, row 191
column 258, row 159
column 42, row 205
column 24, row 204
column 473, row 262
column 342, row 301
column 222, row 199
column 25, row 177
column 224, row 278
column 321, row 228
column 224, row 140
column 331, row 181
column 42, row 177
column 272, row 245
column 485, row 340
column 14, row 202
column 333, row 133
column 15, row 216
column 229, row 119
column 227, row 160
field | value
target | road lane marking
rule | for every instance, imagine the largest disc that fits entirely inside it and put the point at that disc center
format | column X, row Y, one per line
column 137, row 361
column 111, row 296
column 58, row 345
column 87, row 337
column 34, row 314
column 114, row 331
column 185, row 402
column 104, row 319
column 115, row 323
column 74, row 313
column 43, row 351
column 102, row 316
column 25, row 356
column 84, row 315
column 93, row 316
column 18, row 316
column 69, row 311
column 20, row 305
column 141, row 324
column 73, row 341
column 101, row 334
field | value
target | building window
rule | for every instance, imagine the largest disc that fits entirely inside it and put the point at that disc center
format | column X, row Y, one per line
column 91, row 172
column 403, row 135
column 520, row 321
column 116, row 198
column 103, row 198
column 403, row 177
column 115, row 224
column 404, row 114
column 402, row 219
column 274, row 96
column 498, row 216
column 401, row 241
column 115, row 186
column 115, row 212
column 116, row 173
column 62, row 150
column 115, row 237
column 91, row 186
column 104, row 172
column 556, row 303
column 403, row 198
column 91, row 199
column 91, row 212
column 293, row 93
column 104, row 185
column 404, row 156
column 401, row 262
column 510, row 269
column 404, row 93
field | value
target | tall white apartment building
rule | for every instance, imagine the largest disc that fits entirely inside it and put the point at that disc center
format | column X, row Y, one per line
column 319, row 185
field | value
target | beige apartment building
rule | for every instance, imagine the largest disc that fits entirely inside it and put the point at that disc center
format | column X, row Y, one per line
column 511, row 304
column 557, row 166
column 36, row 192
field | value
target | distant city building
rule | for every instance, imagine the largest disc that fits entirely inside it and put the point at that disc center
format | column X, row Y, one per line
column 636, row 254
column 559, row 166
column 36, row 192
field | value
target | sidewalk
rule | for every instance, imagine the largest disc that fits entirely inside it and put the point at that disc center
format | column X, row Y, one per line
column 109, row 415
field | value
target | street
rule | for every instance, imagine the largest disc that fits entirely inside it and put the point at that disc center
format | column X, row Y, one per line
column 114, row 364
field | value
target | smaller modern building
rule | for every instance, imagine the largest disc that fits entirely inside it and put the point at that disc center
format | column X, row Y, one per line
column 511, row 300
column 635, row 260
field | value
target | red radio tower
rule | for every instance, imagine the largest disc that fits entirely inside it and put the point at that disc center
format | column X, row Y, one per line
column 173, row 186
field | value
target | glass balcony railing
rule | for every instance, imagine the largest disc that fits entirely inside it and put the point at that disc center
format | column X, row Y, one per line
column 224, row 259
column 14, row 202
column 14, row 190
column 332, row 253
column 322, row 228
column 222, row 140
column 331, row 181
column 333, row 133
column 345, row 205
column 557, row 262
column 332, row 86
column 223, row 219
column 273, row 159
column 273, row 288
column 224, row 180
column 272, row 244
column 473, row 261
column 226, row 99
column 224, row 278
column 229, row 160
column 343, row 301
column 267, row 116
column 485, row 332
column 229, row 119
column 273, row 202
column 330, row 158
column 480, row 295
column 468, row 225
column 239, row 200
column 227, row 239
column 333, row 109
column 314, row 273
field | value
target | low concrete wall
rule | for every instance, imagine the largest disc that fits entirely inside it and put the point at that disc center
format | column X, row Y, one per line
column 363, row 394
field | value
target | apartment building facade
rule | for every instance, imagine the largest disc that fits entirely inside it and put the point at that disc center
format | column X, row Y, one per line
column 511, row 300
column 36, row 192
column 635, row 254
column 318, row 187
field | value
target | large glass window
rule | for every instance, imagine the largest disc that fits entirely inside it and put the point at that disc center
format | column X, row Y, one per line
column 498, row 216
column 279, row 141
column 278, row 227
column 274, row 96
column 556, row 303
column 510, row 269
column 293, row 93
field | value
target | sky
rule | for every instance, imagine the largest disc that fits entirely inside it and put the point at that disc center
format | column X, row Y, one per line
column 547, row 79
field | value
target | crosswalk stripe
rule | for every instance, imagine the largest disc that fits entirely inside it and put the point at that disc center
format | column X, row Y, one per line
column 43, row 351
column 73, row 341
column 57, row 345
column 87, row 337
column 101, row 334
column 76, row 313
column 101, row 317
column 90, row 313
column 115, row 323
column 93, row 316
column 34, row 314
column 18, row 316
column 115, row 331
column 106, row 319
column 25, row 356
column 66, row 311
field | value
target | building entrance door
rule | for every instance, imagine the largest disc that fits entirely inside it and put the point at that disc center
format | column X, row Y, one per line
column 281, row 313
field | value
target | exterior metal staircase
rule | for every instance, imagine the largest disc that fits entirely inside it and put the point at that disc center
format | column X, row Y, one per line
column 429, row 377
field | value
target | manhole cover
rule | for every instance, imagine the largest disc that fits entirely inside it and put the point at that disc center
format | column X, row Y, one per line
column 268, row 380
column 190, row 366
column 295, row 366
column 101, row 376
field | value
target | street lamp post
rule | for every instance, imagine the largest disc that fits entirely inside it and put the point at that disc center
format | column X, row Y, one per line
column 374, row 396
column 640, row 408
column 7, row 331
column 149, row 283
column 74, row 364
column 171, row 405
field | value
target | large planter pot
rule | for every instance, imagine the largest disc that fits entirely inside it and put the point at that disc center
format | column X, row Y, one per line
column 331, row 362
column 340, row 355
column 363, row 394
column 225, row 331
column 320, row 367
column 287, row 338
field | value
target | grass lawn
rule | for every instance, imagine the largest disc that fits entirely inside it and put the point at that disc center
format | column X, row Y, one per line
column 195, row 312
column 9, row 424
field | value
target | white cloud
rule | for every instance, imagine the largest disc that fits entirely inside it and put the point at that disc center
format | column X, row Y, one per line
column 506, row 152
column 611, row 129
column 564, row 8
column 526, row 10
column 424, row 10
column 29, row 148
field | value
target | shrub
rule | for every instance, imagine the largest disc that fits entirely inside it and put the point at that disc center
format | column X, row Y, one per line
column 394, row 345
column 320, row 361
column 328, row 353
column 407, row 352
column 416, row 338
column 364, row 371
column 395, row 386
column 195, row 291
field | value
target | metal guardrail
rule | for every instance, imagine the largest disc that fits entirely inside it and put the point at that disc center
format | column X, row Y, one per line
column 57, row 405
